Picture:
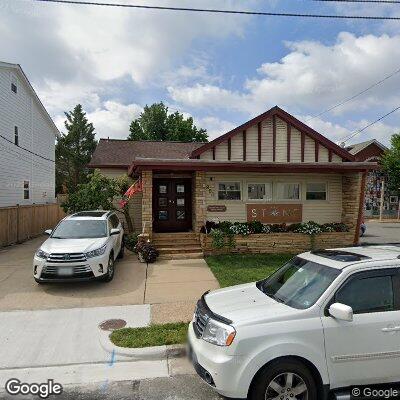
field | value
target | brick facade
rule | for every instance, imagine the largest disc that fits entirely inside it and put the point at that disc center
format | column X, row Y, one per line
column 353, row 188
column 147, row 202
column 198, row 200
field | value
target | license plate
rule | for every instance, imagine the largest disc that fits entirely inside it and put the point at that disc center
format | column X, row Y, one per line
column 66, row 271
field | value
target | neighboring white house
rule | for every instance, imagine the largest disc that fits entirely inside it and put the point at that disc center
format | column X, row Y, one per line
column 27, row 142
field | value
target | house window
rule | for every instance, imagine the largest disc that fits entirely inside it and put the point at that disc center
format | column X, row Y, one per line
column 288, row 191
column 229, row 191
column 316, row 191
column 259, row 191
column 14, row 87
column 26, row 190
column 16, row 136
column 394, row 199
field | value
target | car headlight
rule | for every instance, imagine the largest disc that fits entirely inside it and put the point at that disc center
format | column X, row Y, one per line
column 97, row 252
column 42, row 254
column 218, row 333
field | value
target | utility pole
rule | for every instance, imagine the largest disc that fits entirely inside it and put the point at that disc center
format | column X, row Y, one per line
column 382, row 199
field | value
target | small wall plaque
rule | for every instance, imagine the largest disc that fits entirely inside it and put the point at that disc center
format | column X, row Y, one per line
column 216, row 208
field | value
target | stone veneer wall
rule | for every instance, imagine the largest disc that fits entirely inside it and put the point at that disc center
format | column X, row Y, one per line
column 198, row 200
column 147, row 202
column 279, row 243
column 352, row 190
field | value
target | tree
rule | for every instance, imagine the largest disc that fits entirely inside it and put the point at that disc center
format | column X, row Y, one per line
column 74, row 150
column 391, row 163
column 154, row 123
column 100, row 193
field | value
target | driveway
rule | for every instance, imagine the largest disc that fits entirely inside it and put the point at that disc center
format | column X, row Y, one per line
column 381, row 232
column 19, row 291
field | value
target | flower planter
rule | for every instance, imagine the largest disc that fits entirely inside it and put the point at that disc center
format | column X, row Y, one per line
column 285, row 242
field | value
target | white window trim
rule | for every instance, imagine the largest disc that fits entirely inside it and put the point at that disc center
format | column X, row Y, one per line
column 229, row 181
column 289, row 183
column 270, row 183
column 317, row 182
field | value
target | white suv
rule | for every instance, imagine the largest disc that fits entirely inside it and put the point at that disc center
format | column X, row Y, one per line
column 83, row 246
column 325, row 321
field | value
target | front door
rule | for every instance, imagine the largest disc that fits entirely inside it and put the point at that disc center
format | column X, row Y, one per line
column 172, row 205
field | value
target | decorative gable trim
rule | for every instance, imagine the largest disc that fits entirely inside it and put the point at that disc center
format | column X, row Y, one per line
column 290, row 120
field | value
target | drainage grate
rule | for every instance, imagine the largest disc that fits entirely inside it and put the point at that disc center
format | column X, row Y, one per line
column 112, row 324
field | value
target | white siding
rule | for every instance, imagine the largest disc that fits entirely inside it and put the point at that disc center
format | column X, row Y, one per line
column 221, row 150
column 318, row 211
column 36, row 133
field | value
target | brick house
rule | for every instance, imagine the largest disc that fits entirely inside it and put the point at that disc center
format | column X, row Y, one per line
column 372, row 151
column 273, row 168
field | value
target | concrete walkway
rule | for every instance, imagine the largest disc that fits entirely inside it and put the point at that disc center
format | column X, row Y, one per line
column 174, row 286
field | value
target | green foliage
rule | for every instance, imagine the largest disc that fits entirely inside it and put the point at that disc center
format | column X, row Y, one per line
column 153, row 335
column 234, row 269
column 74, row 151
column 98, row 193
column 391, row 163
column 130, row 241
column 218, row 238
column 155, row 123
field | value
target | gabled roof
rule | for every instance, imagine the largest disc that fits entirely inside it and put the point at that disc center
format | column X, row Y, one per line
column 285, row 116
column 357, row 147
column 22, row 75
column 116, row 153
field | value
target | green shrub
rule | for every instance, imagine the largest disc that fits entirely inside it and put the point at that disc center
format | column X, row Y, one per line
column 130, row 241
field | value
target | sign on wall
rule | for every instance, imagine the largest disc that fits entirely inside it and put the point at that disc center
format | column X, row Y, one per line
column 216, row 208
column 275, row 213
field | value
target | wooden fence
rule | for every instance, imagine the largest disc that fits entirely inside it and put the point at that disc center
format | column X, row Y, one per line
column 21, row 223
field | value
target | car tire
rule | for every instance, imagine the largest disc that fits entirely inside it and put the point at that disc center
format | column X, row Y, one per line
column 284, row 379
column 108, row 277
column 38, row 282
column 122, row 251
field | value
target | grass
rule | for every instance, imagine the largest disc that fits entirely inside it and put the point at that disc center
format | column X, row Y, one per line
column 234, row 269
column 153, row 335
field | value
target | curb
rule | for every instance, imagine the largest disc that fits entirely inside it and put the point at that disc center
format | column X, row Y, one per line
column 142, row 354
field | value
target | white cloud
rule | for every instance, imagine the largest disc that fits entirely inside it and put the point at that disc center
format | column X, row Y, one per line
column 312, row 76
column 215, row 126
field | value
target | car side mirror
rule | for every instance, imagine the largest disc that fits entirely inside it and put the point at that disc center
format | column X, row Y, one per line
column 115, row 231
column 341, row 311
column 48, row 232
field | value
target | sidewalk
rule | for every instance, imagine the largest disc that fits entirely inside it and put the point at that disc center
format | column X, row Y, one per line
column 174, row 286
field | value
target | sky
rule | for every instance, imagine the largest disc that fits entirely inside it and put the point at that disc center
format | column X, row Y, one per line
column 220, row 69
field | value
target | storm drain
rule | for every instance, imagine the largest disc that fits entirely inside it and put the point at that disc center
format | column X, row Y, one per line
column 112, row 324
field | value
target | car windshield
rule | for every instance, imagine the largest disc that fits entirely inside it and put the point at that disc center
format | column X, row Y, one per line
column 80, row 229
column 299, row 283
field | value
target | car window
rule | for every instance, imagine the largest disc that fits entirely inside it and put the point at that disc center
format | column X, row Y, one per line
column 114, row 221
column 367, row 294
column 80, row 229
column 299, row 283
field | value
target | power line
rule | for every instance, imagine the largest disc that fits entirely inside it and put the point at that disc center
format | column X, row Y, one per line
column 218, row 11
column 29, row 151
column 370, row 124
column 342, row 102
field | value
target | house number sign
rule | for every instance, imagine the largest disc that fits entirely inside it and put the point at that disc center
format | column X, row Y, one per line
column 275, row 213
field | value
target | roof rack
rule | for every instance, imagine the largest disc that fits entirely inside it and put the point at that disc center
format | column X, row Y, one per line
column 340, row 255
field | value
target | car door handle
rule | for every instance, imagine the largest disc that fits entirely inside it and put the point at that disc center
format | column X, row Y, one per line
column 391, row 329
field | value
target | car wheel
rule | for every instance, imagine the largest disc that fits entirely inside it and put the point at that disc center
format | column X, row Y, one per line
column 121, row 252
column 108, row 277
column 284, row 380
column 38, row 282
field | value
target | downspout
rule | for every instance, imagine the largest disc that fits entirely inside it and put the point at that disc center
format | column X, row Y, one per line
column 361, row 208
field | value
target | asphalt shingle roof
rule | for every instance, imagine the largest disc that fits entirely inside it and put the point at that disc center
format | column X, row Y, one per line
column 121, row 153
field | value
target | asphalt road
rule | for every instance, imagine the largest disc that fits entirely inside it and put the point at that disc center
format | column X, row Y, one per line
column 378, row 233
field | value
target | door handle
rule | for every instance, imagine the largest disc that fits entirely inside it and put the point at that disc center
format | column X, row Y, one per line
column 391, row 329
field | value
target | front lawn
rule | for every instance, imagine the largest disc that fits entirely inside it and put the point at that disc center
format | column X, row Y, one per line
column 153, row 335
column 234, row 269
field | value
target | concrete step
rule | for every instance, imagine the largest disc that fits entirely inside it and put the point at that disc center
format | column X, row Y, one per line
column 176, row 243
column 181, row 256
column 177, row 250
